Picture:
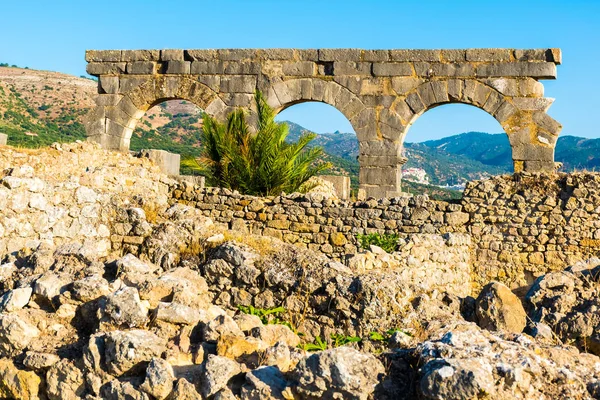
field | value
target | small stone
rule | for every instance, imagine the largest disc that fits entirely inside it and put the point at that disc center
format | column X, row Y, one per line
column 342, row 372
column 175, row 313
column 159, row 379
column 15, row 299
column 124, row 308
column 498, row 308
column 18, row 384
column 15, row 335
column 39, row 361
column 273, row 333
column 65, row 381
column 217, row 373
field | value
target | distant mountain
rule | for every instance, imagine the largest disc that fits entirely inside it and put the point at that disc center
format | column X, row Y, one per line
column 494, row 150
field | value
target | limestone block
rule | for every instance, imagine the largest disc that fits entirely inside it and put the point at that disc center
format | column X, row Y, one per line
column 275, row 54
column 140, row 55
column 451, row 69
column 547, row 123
column 106, row 68
column 530, row 87
column 381, row 176
column 351, row 68
column 171, row 55
column 426, row 93
column 404, row 112
column 504, row 112
column 340, row 183
column 3, row 139
column 403, row 85
column 380, row 161
column 102, row 55
column 415, row 103
column 455, row 89
column 238, row 84
column 506, row 86
column 453, row 55
column 196, row 180
column 488, row 54
column 415, row 55
column 299, row 68
column 128, row 83
column 540, row 70
column 178, row 67
column 375, row 55
column 200, row 55
column 352, row 83
column 533, row 103
column 392, row 69
column 242, row 68
column 493, row 102
column 236, row 54
column 237, row 99
column 535, row 55
column 141, row 67
column 539, row 165
column 167, row 162
column 339, row 54
column 212, row 81
column 306, row 54
column 108, row 84
column 440, row 91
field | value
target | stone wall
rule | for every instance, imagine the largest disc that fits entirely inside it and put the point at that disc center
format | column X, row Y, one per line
column 381, row 93
column 521, row 226
column 76, row 203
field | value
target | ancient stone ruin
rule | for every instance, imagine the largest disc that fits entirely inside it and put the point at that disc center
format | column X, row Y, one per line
column 381, row 92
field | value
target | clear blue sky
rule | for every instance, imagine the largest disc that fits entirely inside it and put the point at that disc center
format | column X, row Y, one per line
column 53, row 35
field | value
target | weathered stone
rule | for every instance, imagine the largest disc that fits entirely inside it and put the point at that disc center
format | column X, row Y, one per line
column 15, row 335
column 39, row 361
column 342, row 372
column 65, row 381
column 500, row 309
column 124, row 308
column 127, row 352
column 15, row 299
column 18, row 384
column 159, row 379
column 217, row 373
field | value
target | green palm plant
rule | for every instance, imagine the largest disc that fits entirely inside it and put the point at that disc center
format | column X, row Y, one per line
column 260, row 163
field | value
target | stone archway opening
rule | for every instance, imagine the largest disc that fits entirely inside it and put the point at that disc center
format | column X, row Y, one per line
column 171, row 125
column 335, row 134
column 451, row 144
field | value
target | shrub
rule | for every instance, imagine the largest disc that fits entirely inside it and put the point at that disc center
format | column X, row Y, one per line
column 388, row 242
column 260, row 163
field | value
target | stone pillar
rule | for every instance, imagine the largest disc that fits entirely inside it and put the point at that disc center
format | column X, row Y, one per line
column 3, row 139
column 380, row 172
column 340, row 183
column 167, row 162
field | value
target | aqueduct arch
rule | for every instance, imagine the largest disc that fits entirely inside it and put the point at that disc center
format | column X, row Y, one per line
column 381, row 92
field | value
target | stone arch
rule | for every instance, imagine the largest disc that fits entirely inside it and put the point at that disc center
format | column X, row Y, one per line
column 379, row 155
column 531, row 132
column 287, row 93
column 112, row 122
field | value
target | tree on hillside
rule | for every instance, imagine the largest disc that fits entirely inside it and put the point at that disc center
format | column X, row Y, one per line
column 259, row 163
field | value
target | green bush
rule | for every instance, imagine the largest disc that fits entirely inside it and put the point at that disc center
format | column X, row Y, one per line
column 260, row 163
column 388, row 242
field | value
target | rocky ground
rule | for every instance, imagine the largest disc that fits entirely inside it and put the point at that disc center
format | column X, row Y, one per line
column 197, row 311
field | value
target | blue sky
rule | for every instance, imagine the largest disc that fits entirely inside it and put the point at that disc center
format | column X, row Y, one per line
column 54, row 35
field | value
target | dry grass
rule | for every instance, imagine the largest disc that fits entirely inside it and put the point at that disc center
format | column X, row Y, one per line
column 262, row 244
